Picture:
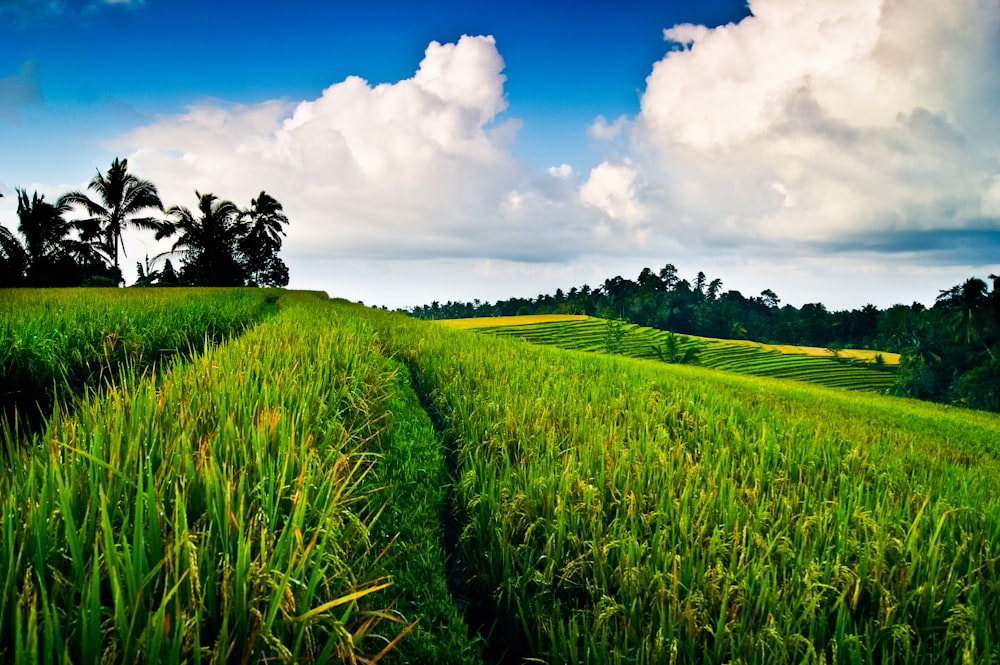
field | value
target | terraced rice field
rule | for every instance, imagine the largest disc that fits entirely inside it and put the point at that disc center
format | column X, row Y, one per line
column 627, row 512
column 851, row 368
column 337, row 484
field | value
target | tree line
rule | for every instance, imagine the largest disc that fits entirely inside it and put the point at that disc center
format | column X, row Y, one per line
column 218, row 244
column 950, row 351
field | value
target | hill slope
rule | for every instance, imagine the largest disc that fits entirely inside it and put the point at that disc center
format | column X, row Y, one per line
column 255, row 501
column 617, row 510
column 851, row 368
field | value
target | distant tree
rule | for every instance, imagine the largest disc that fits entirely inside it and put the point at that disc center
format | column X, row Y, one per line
column 970, row 305
column 713, row 289
column 146, row 275
column 898, row 326
column 13, row 259
column 672, row 352
column 258, row 248
column 617, row 291
column 668, row 276
column 614, row 336
column 814, row 324
column 770, row 299
column 168, row 277
column 699, row 283
column 648, row 281
column 150, row 275
column 207, row 241
column 53, row 257
column 864, row 325
column 952, row 348
column 121, row 198
column 916, row 378
column 979, row 388
column 993, row 307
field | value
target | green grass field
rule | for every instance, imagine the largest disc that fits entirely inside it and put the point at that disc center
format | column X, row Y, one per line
column 628, row 511
column 849, row 368
column 231, row 509
column 56, row 343
column 342, row 484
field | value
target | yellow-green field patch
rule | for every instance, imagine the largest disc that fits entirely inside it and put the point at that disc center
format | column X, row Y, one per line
column 849, row 368
column 494, row 321
column 865, row 355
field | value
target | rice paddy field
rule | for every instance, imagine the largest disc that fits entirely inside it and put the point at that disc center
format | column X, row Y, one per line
column 340, row 484
column 855, row 369
column 60, row 342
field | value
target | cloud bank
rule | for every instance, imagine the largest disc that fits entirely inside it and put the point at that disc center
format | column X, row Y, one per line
column 421, row 167
column 815, row 125
column 812, row 138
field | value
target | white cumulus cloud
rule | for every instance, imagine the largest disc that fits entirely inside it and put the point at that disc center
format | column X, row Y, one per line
column 602, row 130
column 616, row 189
column 813, row 137
column 827, row 123
column 420, row 167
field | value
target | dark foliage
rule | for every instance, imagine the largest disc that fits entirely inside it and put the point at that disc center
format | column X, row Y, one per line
column 219, row 244
column 949, row 352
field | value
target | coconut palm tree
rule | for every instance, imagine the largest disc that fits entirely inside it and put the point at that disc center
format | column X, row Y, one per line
column 52, row 256
column 266, row 217
column 969, row 303
column 13, row 259
column 121, row 198
column 263, row 222
column 208, row 241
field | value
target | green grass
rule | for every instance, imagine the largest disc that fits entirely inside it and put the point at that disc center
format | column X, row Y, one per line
column 850, row 369
column 413, row 477
column 339, row 484
column 234, row 510
column 627, row 511
column 54, row 343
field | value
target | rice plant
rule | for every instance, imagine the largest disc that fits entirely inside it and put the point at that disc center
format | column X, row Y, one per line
column 220, row 514
column 626, row 511
column 855, row 369
column 284, row 496
column 56, row 342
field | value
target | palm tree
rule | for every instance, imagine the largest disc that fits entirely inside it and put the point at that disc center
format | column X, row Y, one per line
column 969, row 302
column 258, row 249
column 13, row 259
column 266, row 217
column 149, row 272
column 672, row 352
column 208, row 242
column 52, row 256
column 121, row 198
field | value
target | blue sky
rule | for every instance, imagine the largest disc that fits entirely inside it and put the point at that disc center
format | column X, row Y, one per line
column 842, row 152
column 566, row 62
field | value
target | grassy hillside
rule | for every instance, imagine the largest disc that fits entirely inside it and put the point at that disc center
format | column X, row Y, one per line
column 233, row 509
column 849, row 368
column 342, row 484
column 55, row 343
column 627, row 511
